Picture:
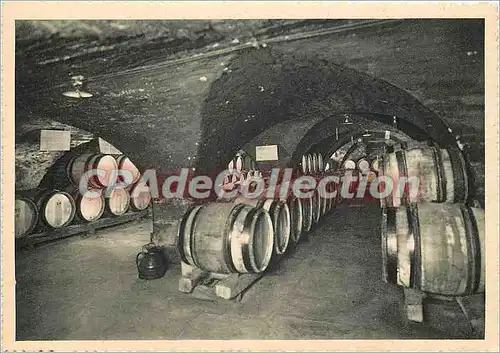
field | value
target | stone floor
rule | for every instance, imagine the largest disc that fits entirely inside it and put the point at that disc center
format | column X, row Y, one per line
column 329, row 288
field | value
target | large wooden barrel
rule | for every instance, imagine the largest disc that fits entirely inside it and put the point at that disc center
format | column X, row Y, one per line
column 442, row 174
column 280, row 217
column 117, row 201
column 25, row 216
column 140, row 197
column 56, row 208
column 226, row 238
column 124, row 163
column 437, row 248
column 82, row 163
column 90, row 206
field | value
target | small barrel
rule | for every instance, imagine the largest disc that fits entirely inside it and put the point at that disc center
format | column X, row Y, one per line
column 349, row 164
column 56, row 208
column 303, row 165
column 117, row 201
column 280, row 217
column 140, row 197
column 25, row 216
column 441, row 175
column 90, row 206
column 436, row 248
column 124, row 163
column 82, row 163
column 226, row 238
column 363, row 165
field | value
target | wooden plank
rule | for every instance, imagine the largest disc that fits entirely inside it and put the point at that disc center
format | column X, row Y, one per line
column 53, row 234
column 414, row 304
column 190, row 278
column 235, row 284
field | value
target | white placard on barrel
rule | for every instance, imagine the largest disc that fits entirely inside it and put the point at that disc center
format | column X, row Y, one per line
column 55, row 140
column 107, row 148
column 266, row 153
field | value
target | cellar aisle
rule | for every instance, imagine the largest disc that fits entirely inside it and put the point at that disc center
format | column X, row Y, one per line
column 329, row 288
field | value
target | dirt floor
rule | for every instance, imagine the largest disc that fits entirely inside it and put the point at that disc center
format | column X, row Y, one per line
column 329, row 288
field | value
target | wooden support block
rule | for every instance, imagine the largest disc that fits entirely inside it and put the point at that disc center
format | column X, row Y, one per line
column 191, row 277
column 234, row 284
column 414, row 304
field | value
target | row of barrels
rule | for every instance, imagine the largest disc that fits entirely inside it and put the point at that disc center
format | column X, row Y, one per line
column 238, row 178
column 45, row 209
column 432, row 240
column 241, row 162
column 79, row 164
column 363, row 165
column 312, row 164
column 247, row 235
column 442, row 174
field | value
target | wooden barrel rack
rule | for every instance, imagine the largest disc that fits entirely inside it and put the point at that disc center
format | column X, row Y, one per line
column 42, row 237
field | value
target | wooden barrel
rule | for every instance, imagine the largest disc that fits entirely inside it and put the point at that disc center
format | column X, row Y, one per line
column 349, row 164
column 56, row 208
column 238, row 162
column 296, row 218
column 315, row 165
column 304, row 165
column 117, row 201
column 363, row 165
column 331, row 165
column 124, row 163
column 437, row 248
column 316, row 207
column 82, row 163
column 89, row 206
column 321, row 166
column 310, row 166
column 226, row 238
column 280, row 217
column 307, row 213
column 441, row 173
column 25, row 216
column 230, row 166
column 140, row 197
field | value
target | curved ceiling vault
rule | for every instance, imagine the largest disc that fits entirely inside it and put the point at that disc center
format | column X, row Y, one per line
column 198, row 113
column 267, row 87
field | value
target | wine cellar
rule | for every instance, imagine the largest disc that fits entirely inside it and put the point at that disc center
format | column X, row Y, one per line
column 242, row 184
